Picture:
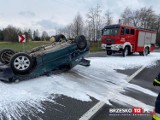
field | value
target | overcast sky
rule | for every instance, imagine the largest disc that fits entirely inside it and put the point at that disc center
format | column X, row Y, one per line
column 49, row 15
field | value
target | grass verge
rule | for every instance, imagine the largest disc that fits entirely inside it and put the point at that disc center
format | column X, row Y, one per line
column 19, row 46
column 94, row 46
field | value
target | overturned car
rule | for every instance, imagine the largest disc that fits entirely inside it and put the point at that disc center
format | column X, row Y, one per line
column 42, row 60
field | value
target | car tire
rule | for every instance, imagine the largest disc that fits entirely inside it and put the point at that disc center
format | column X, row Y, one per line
column 125, row 52
column 81, row 42
column 109, row 52
column 60, row 38
column 141, row 53
column 5, row 55
column 130, row 53
column 145, row 52
column 21, row 63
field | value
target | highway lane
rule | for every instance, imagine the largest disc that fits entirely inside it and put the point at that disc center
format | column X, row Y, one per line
column 66, row 108
column 74, row 108
column 145, row 80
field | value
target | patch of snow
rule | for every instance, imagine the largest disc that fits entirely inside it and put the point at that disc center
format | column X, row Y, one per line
column 141, row 89
column 100, row 81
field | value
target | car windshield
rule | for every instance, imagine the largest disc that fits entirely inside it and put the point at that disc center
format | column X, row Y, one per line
column 111, row 31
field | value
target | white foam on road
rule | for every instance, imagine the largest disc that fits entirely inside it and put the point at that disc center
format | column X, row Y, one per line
column 100, row 81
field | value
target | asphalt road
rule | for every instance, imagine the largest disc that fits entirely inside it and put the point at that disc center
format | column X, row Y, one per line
column 144, row 79
column 67, row 108
column 71, row 109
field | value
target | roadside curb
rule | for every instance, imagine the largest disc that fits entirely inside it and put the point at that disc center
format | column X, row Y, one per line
column 99, row 106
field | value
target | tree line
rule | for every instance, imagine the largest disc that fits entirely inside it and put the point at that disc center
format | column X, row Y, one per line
column 92, row 24
column 96, row 19
column 10, row 34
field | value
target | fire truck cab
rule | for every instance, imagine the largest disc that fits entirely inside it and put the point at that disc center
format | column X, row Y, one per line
column 127, row 40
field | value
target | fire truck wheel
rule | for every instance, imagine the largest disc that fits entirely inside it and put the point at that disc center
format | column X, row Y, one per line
column 21, row 63
column 146, row 51
column 141, row 53
column 130, row 53
column 109, row 52
column 125, row 51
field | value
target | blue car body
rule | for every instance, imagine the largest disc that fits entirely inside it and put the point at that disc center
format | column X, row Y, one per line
column 48, row 59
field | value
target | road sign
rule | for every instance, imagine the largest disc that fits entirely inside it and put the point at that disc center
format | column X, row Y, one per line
column 22, row 38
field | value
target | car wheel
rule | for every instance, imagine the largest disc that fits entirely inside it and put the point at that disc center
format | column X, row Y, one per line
column 125, row 52
column 5, row 55
column 60, row 38
column 21, row 63
column 81, row 42
column 109, row 52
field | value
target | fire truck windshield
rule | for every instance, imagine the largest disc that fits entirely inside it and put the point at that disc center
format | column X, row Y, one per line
column 111, row 31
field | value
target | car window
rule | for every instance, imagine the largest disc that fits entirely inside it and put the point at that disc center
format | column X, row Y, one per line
column 111, row 31
column 127, row 31
column 122, row 31
column 132, row 31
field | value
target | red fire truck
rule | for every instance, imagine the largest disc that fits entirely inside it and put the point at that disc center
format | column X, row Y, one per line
column 127, row 40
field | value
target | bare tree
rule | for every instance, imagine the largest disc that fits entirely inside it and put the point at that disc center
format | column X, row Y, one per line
column 88, row 31
column 147, row 17
column 144, row 17
column 158, row 29
column 73, row 29
column 136, row 20
column 108, row 18
column 77, row 25
column 158, row 23
column 69, row 31
column 127, row 16
column 94, row 21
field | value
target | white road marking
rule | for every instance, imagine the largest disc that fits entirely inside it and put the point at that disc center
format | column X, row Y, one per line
column 135, row 74
column 94, row 110
column 91, row 112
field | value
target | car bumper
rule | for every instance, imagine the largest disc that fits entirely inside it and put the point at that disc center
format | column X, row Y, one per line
column 116, row 47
